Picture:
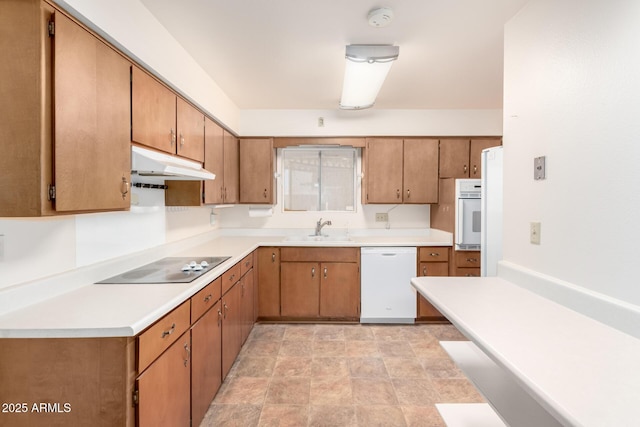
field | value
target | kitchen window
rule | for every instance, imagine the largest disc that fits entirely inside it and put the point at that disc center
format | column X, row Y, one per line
column 319, row 178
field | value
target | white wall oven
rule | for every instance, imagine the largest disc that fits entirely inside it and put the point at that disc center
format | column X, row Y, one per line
column 468, row 214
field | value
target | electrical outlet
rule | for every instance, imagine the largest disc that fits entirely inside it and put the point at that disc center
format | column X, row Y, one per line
column 382, row 217
column 534, row 233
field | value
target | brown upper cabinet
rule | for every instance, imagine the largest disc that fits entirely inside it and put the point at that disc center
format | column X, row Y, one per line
column 66, row 116
column 256, row 171
column 221, row 158
column 460, row 158
column 401, row 171
column 160, row 119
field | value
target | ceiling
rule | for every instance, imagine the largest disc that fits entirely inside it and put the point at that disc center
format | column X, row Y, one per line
column 289, row 54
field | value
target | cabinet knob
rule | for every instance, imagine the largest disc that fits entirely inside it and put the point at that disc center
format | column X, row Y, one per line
column 188, row 350
column 273, row 257
column 219, row 317
column 208, row 298
column 181, row 139
column 173, row 137
column 325, row 272
column 225, row 310
column 424, row 271
column 124, row 187
column 313, row 272
column 169, row 331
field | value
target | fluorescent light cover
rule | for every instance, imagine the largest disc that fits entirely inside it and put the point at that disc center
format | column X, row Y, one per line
column 366, row 68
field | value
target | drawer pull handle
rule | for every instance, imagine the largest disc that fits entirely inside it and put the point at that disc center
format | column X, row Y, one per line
column 169, row 332
column 186, row 347
column 472, row 259
column 273, row 257
column 208, row 298
column 246, row 264
column 434, row 254
column 313, row 272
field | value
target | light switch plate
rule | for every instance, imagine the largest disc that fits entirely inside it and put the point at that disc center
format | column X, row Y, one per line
column 534, row 233
column 539, row 170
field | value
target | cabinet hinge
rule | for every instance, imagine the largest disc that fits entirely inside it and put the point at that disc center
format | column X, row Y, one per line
column 52, row 192
column 52, row 28
column 136, row 397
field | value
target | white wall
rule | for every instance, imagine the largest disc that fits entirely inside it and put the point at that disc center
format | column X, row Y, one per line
column 371, row 122
column 572, row 94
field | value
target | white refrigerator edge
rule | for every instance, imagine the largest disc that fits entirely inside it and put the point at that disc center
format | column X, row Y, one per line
column 492, row 206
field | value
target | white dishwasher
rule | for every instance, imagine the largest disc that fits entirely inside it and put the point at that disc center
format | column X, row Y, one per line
column 385, row 284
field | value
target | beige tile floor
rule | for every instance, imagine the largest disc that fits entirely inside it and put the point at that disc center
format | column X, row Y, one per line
column 341, row 375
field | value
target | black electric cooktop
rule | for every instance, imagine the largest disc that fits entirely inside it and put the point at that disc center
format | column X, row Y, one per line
column 168, row 270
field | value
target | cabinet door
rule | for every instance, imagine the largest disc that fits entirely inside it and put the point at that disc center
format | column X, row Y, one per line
column 153, row 112
column 383, row 171
column 164, row 389
column 231, row 338
column 246, row 303
column 475, row 155
column 420, row 171
column 425, row 309
column 300, row 289
column 190, row 128
column 442, row 213
column 214, row 161
column 339, row 290
column 268, row 282
column 454, row 158
column 231, row 168
column 92, row 154
column 256, row 171
column 206, row 362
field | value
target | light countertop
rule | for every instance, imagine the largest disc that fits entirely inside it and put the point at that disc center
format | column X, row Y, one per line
column 84, row 309
column 582, row 371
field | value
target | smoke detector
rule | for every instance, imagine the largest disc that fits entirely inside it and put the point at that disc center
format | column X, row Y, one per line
column 380, row 17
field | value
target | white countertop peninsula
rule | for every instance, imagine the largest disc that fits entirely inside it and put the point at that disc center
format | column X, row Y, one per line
column 582, row 372
column 71, row 305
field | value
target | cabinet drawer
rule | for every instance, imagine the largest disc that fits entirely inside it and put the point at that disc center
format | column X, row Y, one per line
column 160, row 335
column 468, row 259
column 467, row 272
column 230, row 277
column 205, row 299
column 434, row 269
column 434, row 254
column 319, row 254
column 246, row 264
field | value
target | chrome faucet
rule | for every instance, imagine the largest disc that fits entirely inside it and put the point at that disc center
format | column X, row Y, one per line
column 319, row 226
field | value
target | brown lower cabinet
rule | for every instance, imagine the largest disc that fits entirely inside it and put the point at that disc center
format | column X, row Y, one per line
column 432, row 261
column 319, row 283
column 268, row 260
column 467, row 263
column 163, row 390
column 165, row 376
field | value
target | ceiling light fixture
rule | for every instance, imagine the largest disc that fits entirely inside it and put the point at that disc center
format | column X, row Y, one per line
column 367, row 67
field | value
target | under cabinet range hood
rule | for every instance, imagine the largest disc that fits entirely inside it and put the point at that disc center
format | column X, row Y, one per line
column 151, row 163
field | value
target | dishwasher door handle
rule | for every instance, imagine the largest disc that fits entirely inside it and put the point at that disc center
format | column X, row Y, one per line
column 389, row 254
